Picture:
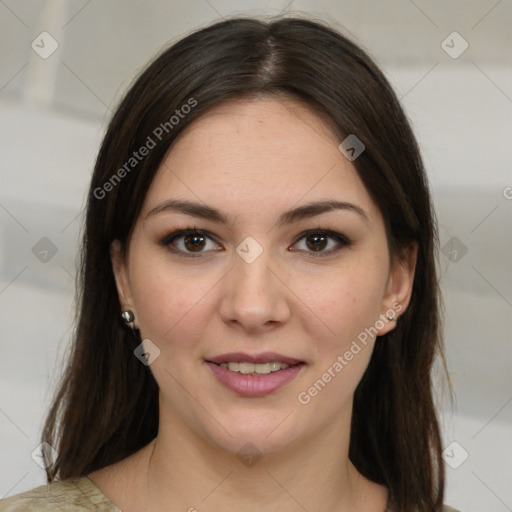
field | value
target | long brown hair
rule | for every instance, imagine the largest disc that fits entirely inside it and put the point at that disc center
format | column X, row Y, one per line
column 106, row 407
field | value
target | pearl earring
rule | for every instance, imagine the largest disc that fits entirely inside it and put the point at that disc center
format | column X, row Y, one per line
column 128, row 318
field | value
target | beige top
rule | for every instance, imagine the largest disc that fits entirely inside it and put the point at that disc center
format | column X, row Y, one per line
column 80, row 495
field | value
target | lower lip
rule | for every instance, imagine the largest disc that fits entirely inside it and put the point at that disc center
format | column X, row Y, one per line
column 255, row 385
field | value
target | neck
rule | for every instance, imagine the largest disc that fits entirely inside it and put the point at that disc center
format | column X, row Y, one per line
column 312, row 474
column 182, row 470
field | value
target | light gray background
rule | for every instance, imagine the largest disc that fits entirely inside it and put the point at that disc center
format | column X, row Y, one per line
column 53, row 112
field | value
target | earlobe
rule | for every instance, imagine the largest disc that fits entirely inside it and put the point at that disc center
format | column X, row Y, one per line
column 399, row 287
column 120, row 270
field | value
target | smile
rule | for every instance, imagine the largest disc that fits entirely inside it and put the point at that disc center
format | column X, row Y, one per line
column 255, row 369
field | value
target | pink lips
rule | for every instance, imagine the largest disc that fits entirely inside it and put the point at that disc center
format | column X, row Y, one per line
column 254, row 385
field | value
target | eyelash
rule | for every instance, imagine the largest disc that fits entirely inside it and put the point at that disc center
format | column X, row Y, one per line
column 168, row 240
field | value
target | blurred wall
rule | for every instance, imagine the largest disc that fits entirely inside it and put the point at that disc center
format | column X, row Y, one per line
column 103, row 43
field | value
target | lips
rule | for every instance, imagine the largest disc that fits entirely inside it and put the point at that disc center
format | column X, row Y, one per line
column 264, row 357
column 254, row 385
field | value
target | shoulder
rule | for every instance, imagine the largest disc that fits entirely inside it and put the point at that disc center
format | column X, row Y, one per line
column 446, row 508
column 77, row 495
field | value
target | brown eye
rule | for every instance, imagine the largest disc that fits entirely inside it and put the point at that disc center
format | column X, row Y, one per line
column 316, row 242
column 190, row 242
column 194, row 242
column 321, row 242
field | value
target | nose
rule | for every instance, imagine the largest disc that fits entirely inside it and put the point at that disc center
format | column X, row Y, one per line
column 254, row 295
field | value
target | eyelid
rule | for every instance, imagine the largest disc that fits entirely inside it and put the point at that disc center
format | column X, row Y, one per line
column 168, row 240
column 185, row 231
column 342, row 240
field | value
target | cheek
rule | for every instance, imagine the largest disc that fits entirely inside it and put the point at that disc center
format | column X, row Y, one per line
column 171, row 305
column 345, row 309
column 342, row 304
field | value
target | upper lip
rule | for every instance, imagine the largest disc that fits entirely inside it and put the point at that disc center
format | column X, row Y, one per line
column 264, row 357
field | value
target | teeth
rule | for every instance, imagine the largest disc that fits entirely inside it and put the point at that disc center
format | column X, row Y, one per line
column 274, row 367
column 255, row 369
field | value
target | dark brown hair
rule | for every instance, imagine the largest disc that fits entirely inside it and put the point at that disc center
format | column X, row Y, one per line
column 106, row 407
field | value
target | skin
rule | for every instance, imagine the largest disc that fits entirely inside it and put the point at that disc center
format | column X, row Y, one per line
column 253, row 160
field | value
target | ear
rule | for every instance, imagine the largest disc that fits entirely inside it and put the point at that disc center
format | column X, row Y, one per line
column 398, row 288
column 120, row 269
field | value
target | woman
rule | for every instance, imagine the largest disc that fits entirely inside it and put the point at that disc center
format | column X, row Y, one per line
column 259, row 306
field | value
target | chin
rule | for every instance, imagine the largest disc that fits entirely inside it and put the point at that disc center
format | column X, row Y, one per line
column 250, row 436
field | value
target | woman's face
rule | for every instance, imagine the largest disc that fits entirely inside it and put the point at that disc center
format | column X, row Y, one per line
column 289, row 263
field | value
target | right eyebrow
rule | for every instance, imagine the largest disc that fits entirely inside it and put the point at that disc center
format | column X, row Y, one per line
column 199, row 210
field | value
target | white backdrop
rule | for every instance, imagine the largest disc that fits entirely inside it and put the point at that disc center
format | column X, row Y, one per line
column 56, row 90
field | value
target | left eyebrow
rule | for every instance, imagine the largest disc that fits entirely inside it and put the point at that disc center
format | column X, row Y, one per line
column 294, row 215
column 317, row 208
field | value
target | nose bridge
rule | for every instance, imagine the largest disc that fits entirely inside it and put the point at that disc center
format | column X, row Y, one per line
column 254, row 296
column 252, row 275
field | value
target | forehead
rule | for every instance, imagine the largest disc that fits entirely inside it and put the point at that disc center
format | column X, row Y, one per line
column 255, row 154
column 270, row 113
